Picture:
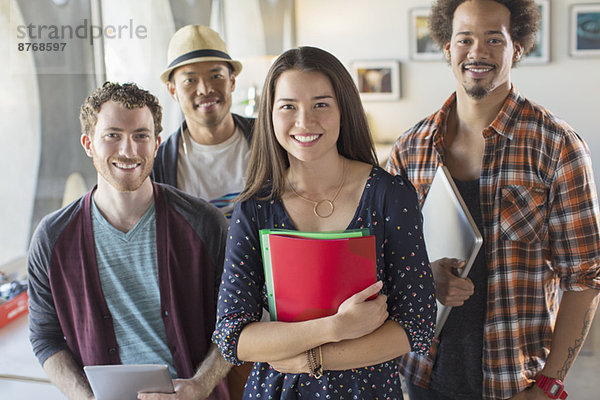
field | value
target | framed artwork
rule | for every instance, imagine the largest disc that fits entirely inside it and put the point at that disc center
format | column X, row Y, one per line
column 585, row 30
column 541, row 50
column 422, row 47
column 377, row 80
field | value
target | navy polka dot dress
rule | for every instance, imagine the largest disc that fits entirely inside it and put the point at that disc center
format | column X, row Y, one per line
column 389, row 208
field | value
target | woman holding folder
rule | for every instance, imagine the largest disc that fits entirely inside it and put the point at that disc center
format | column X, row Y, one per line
column 313, row 168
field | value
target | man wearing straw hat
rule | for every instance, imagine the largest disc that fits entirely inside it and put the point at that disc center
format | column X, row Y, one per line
column 207, row 155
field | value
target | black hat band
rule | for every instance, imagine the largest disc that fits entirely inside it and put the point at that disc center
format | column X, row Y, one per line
column 198, row 54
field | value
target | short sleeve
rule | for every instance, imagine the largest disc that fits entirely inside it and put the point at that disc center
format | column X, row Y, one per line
column 240, row 300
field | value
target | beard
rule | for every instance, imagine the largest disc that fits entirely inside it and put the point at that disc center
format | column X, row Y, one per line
column 478, row 91
column 127, row 184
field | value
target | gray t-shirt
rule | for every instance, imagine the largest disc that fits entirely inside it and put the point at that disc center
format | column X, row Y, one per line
column 128, row 271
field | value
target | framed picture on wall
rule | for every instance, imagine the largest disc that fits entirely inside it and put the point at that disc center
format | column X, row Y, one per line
column 377, row 80
column 422, row 47
column 541, row 50
column 585, row 30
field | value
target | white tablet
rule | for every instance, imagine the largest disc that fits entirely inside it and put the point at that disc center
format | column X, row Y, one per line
column 123, row 382
column 448, row 229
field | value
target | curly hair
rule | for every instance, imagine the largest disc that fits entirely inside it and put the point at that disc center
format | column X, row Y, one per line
column 524, row 21
column 129, row 95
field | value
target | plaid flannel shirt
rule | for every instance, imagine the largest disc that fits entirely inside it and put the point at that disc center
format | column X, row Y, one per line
column 541, row 232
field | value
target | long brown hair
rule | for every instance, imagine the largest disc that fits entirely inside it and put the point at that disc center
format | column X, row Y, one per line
column 268, row 160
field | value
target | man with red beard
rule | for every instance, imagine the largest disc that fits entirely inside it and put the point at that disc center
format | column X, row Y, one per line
column 527, row 179
column 128, row 273
column 208, row 155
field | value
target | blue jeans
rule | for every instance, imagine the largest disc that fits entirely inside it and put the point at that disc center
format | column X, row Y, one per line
column 418, row 393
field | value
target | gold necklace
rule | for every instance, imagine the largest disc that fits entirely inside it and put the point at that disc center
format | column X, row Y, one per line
column 324, row 201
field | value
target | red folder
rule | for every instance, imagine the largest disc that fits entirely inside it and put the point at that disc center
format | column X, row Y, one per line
column 311, row 277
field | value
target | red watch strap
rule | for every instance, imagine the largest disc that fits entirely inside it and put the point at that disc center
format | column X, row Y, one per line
column 545, row 383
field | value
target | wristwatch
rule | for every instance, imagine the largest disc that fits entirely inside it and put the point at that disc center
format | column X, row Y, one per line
column 553, row 387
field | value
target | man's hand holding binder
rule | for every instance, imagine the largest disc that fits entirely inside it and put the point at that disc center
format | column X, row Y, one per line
column 451, row 290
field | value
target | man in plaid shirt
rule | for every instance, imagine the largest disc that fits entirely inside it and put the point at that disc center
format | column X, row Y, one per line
column 527, row 179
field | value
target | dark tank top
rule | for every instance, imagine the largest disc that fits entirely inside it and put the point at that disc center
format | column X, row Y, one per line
column 457, row 372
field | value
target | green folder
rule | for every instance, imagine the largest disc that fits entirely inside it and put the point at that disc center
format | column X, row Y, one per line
column 266, row 254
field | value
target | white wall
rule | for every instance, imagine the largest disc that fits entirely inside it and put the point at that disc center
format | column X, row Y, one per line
column 142, row 60
column 19, row 130
column 378, row 29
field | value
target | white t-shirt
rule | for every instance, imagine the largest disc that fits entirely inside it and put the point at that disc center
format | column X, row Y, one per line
column 215, row 173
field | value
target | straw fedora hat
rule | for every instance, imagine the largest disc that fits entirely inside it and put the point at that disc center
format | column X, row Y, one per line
column 196, row 43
